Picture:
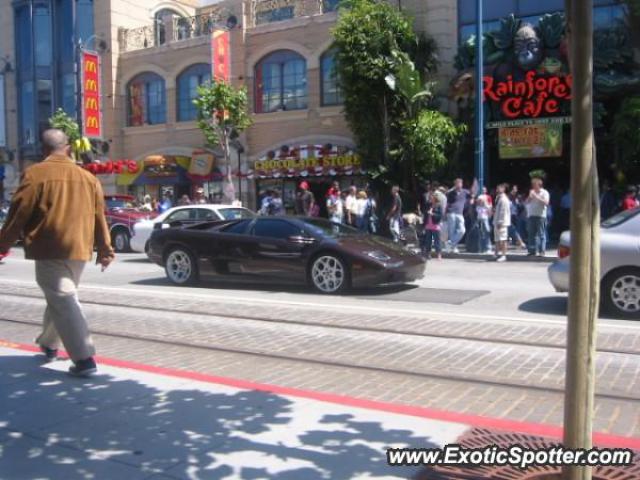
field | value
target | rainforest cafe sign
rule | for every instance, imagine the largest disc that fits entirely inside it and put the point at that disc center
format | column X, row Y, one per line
column 534, row 96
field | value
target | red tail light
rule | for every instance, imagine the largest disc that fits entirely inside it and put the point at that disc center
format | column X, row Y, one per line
column 563, row 251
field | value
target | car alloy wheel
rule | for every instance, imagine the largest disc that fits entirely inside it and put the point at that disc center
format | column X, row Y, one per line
column 180, row 267
column 625, row 294
column 328, row 274
column 121, row 241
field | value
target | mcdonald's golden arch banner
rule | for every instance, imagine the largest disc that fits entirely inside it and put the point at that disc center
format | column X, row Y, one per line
column 91, row 101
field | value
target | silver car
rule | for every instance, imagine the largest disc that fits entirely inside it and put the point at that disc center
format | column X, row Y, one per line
column 620, row 264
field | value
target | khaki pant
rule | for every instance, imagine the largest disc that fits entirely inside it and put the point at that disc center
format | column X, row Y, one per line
column 63, row 317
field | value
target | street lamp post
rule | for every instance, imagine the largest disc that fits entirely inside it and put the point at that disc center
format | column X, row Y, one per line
column 479, row 140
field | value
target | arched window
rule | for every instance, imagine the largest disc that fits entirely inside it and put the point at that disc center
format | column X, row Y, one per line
column 281, row 82
column 146, row 104
column 187, row 89
column 330, row 91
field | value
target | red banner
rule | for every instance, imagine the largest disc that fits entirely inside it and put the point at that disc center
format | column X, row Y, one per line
column 91, row 101
column 220, row 58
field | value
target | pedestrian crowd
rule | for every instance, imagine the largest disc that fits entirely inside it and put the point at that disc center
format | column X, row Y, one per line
column 488, row 222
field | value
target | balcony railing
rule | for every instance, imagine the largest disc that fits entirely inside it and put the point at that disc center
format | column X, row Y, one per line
column 172, row 29
column 270, row 11
column 196, row 26
column 137, row 38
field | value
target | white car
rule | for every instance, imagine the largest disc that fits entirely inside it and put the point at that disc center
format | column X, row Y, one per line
column 182, row 215
column 619, row 264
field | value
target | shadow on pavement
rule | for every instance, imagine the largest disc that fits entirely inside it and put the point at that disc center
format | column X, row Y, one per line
column 555, row 306
column 278, row 288
column 548, row 305
column 57, row 427
column 122, row 258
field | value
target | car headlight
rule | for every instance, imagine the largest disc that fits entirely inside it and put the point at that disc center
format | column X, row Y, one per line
column 378, row 255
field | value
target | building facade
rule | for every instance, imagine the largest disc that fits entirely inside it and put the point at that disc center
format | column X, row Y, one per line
column 155, row 53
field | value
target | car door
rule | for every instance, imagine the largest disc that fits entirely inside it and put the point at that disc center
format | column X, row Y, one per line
column 234, row 248
column 274, row 251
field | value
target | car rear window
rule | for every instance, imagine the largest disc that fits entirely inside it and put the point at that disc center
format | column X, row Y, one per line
column 620, row 218
column 235, row 213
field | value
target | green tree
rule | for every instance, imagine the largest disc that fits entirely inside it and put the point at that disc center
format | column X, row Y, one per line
column 429, row 137
column 222, row 116
column 626, row 131
column 432, row 137
column 366, row 34
column 62, row 121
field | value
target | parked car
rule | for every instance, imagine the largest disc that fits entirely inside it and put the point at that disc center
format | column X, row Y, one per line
column 121, row 217
column 184, row 215
column 619, row 264
column 328, row 256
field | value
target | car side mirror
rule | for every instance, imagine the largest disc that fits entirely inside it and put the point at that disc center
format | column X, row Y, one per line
column 301, row 240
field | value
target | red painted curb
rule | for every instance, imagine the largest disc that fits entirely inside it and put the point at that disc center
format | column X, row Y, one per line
column 543, row 430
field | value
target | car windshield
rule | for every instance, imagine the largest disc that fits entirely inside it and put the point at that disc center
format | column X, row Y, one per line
column 620, row 218
column 115, row 203
column 330, row 229
column 235, row 213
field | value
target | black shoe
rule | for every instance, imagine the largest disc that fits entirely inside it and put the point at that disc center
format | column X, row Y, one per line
column 83, row 368
column 51, row 354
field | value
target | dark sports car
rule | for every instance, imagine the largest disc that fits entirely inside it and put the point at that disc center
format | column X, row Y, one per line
column 328, row 256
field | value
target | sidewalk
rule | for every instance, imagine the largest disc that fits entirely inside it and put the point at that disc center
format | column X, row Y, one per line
column 135, row 421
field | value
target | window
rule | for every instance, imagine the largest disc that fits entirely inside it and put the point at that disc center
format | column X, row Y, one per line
column 188, row 82
column 280, row 229
column 206, row 215
column 184, row 215
column 235, row 213
column 42, row 35
column 167, row 14
column 330, row 89
column 238, row 228
column 330, row 5
column 607, row 17
column 146, row 100
column 84, row 19
column 281, row 82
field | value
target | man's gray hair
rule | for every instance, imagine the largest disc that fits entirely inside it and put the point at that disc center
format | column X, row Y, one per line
column 54, row 139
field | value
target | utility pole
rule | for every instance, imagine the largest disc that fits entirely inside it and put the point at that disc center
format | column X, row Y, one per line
column 479, row 160
column 585, row 241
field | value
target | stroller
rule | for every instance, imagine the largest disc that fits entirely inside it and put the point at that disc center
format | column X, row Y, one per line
column 409, row 237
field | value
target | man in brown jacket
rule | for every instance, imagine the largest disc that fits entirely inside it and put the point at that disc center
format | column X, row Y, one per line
column 59, row 209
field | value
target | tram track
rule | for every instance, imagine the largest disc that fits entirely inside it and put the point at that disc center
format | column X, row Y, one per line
column 308, row 353
column 355, row 327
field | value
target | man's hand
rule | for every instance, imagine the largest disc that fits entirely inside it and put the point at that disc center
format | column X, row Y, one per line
column 105, row 262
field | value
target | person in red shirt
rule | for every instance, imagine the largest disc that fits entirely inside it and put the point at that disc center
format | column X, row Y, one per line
column 629, row 200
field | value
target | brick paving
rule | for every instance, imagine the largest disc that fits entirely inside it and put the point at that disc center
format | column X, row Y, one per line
column 609, row 338
column 516, row 382
column 452, row 358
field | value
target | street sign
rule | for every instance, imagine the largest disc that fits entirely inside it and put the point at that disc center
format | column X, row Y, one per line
column 91, row 98
column 523, row 122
